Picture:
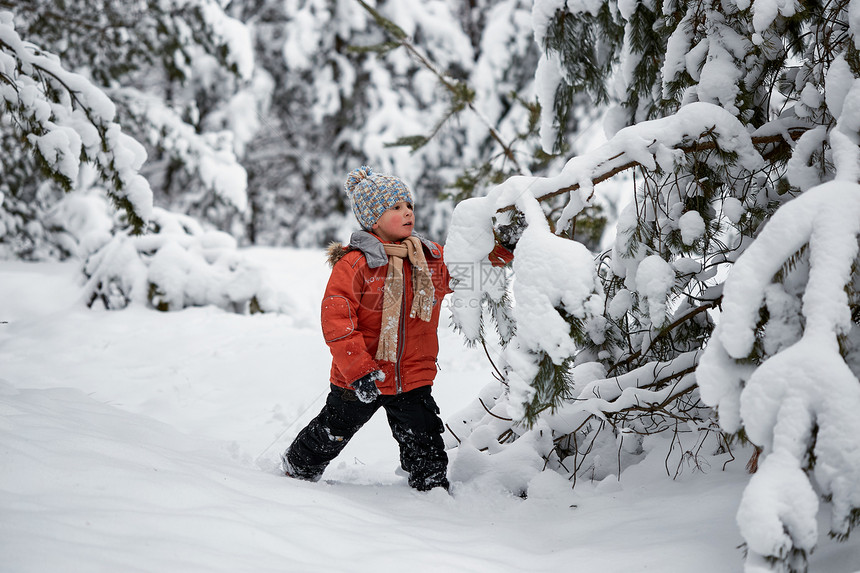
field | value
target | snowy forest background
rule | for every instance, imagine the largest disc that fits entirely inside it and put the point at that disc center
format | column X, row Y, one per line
column 681, row 178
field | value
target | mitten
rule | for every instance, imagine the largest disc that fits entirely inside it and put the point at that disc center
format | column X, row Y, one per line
column 365, row 387
column 508, row 235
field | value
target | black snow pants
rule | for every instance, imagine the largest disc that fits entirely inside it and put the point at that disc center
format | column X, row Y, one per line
column 414, row 420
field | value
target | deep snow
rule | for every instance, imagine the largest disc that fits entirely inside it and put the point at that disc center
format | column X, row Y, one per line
column 143, row 441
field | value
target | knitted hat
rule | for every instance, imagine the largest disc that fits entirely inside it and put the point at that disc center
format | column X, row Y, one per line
column 374, row 193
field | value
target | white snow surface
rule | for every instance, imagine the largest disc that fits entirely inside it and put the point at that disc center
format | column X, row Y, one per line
column 143, row 441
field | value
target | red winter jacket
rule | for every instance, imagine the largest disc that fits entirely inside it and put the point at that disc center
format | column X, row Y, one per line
column 352, row 314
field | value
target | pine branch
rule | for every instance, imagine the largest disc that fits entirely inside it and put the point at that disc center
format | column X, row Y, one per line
column 794, row 134
column 384, row 23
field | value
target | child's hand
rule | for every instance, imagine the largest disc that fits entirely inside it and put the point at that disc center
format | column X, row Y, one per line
column 365, row 387
column 508, row 235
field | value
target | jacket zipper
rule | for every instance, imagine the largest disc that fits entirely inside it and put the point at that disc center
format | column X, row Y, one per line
column 401, row 337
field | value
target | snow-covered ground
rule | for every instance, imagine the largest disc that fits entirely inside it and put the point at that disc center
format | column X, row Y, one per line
column 145, row 441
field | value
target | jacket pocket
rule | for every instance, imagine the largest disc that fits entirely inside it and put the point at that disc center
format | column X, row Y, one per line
column 338, row 319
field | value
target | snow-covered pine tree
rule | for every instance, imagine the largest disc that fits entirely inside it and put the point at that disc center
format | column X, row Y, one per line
column 55, row 121
column 171, row 71
column 739, row 114
column 161, row 82
column 296, row 161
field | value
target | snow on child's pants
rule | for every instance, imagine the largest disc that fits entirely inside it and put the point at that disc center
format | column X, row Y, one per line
column 414, row 420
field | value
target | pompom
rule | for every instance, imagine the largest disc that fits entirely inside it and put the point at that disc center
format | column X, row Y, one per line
column 355, row 177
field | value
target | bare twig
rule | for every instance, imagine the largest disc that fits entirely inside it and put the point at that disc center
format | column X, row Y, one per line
column 729, row 450
column 501, row 377
column 494, row 415
column 456, row 437
column 503, row 437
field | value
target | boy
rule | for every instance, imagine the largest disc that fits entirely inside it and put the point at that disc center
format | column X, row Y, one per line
column 380, row 314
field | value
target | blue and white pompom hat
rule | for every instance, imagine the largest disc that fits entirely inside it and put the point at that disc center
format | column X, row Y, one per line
column 372, row 194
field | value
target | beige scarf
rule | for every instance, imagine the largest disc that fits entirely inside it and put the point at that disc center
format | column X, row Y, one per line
column 422, row 293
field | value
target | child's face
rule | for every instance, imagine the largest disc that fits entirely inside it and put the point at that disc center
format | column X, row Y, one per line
column 396, row 223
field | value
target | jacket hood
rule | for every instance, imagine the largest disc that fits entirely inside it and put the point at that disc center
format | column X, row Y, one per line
column 373, row 249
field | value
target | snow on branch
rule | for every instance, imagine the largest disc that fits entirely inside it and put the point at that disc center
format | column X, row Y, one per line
column 641, row 388
column 624, row 151
column 763, row 188
column 232, row 37
column 800, row 405
column 659, row 144
column 64, row 119
column 612, row 168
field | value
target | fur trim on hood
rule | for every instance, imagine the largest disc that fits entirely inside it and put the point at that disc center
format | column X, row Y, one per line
column 335, row 252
